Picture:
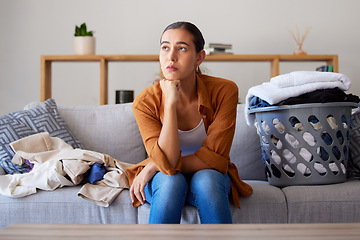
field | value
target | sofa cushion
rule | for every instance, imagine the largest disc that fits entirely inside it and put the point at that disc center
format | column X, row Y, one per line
column 109, row 129
column 324, row 203
column 245, row 152
column 2, row 171
column 64, row 206
column 267, row 204
column 41, row 118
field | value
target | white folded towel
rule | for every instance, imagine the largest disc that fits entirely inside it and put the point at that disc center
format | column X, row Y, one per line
column 298, row 78
column 273, row 94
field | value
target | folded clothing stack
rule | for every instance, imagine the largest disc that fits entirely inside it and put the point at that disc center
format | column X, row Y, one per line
column 298, row 88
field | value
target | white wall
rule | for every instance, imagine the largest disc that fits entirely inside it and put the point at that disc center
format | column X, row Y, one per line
column 33, row 28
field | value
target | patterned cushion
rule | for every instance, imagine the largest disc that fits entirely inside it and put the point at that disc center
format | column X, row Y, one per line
column 16, row 125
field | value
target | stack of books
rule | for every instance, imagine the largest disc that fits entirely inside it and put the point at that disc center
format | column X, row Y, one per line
column 218, row 48
column 325, row 68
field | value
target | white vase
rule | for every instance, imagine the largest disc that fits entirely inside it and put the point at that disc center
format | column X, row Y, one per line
column 84, row 45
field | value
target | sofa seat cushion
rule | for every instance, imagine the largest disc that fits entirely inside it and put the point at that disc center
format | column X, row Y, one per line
column 109, row 129
column 266, row 204
column 245, row 151
column 64, row 206
column 324, row 203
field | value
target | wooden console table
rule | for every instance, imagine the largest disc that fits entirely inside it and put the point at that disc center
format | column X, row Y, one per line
column 46, row 62
column 304, row 231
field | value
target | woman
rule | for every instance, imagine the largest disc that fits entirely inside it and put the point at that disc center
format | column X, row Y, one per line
column 187, row 122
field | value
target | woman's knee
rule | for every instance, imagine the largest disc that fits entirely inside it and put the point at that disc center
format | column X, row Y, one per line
column 169, row 184
column 209, row 180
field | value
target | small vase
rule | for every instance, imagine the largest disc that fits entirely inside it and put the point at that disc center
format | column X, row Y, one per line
column 84, row 45
column 299, row 51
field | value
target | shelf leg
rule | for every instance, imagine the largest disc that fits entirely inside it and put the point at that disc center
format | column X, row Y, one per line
column 335, row 63
column 45, row 79
column 104, row 65
column 274, row 67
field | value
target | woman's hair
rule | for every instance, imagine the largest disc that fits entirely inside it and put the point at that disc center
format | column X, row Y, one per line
column 198, row 39
column 191, row 28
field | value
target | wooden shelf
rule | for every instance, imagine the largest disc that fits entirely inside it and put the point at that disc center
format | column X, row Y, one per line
column 274, row 60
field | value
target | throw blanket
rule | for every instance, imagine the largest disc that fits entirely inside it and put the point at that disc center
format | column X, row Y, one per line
column 57, row 164
column 293, row 84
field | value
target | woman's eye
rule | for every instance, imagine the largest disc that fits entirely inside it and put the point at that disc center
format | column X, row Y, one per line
column 165, row 48
column 182, row 49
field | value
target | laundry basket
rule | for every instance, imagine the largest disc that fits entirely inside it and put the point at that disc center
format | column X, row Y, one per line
column 304, row 144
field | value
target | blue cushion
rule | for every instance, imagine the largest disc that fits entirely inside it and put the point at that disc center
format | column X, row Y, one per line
column 16, row 125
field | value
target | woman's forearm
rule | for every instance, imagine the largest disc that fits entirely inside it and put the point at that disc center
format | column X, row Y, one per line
column 192, row 163
column 169, row 135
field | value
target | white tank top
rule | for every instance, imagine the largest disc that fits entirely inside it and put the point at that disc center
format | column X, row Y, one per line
column 192, row 140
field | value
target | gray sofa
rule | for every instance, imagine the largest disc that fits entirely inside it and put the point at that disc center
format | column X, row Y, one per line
column 112, row 129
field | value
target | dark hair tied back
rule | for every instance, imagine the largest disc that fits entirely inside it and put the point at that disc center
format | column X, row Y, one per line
column 198, row 37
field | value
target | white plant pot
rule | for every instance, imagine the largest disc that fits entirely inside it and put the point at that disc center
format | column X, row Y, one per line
column 84, row 45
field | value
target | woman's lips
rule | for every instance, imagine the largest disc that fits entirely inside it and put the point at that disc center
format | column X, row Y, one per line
column 171, row 68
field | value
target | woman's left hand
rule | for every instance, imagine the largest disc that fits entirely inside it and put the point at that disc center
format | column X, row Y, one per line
column 140, row 181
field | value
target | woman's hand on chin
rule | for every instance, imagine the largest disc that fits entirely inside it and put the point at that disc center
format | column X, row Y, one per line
column 170, row 90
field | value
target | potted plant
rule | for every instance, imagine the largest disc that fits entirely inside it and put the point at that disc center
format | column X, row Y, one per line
column 84, row 42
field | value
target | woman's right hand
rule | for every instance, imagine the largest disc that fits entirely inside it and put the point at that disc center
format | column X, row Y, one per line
column 170, row 90
column 140, row 181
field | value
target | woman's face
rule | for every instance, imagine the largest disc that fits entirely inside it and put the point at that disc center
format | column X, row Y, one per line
column 178, row 56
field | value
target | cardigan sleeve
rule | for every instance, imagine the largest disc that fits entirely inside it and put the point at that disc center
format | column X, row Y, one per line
column 216, row 146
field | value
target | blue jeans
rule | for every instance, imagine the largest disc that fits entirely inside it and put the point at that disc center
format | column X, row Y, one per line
column 208, row 190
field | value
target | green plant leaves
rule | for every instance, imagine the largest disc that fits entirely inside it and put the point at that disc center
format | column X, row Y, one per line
column 82, row 31
column 77, row 31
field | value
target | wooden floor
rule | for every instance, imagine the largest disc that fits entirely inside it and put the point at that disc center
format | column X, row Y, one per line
column 341, row 231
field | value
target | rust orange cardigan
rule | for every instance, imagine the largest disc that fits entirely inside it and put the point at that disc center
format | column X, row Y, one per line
column 217, row 103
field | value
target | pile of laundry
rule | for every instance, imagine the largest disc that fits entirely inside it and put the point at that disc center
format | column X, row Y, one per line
column 56, row 164
column 299, row 87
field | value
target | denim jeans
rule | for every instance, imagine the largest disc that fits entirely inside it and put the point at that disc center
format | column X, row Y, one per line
column 208, row 190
